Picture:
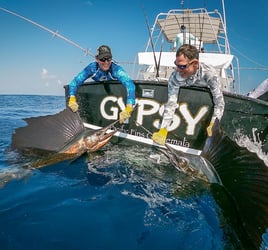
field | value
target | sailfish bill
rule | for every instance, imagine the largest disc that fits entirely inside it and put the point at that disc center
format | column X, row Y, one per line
column 240, row 184
column 58, row 137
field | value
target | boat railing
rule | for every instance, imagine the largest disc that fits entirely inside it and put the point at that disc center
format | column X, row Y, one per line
column 206, row 26
column 195, row 25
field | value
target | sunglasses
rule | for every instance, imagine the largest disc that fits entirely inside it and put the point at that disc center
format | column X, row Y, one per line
column 182, row 66
column 108, row 59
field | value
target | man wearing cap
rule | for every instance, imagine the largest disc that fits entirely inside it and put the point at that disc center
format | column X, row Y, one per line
column 104, row 69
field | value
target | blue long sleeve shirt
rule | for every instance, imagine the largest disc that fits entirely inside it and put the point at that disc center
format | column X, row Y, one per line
column 116, row 72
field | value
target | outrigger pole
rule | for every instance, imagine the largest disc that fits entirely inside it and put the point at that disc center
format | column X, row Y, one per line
column 54, row 33
column 152, row 44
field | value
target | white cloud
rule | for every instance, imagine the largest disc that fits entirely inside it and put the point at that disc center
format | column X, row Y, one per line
column 89, row 3
column 46, row 75
column 49, row 80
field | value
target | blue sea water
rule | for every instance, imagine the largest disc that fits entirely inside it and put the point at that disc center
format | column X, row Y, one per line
column 117, row 198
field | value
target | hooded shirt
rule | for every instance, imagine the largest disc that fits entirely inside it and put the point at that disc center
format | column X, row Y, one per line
column 115, row 72
column 206, row 76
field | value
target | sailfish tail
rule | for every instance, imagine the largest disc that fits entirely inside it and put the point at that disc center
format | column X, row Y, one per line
column 245, row 179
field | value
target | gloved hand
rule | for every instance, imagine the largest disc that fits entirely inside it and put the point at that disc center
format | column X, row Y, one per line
column 73, row 104
column 126, row 113
column 209, row 129
column 160, row 136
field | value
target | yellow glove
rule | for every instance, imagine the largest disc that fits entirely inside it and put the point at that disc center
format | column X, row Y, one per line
column 160, row 136
column 209, row 129
column 73, row 104
column 126, row 113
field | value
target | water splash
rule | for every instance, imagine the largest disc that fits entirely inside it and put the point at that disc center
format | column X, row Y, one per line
column 253, row 144
column 151, row 179
column 12, row 173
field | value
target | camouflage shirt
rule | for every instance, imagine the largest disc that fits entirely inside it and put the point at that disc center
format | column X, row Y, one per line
column 206, row 76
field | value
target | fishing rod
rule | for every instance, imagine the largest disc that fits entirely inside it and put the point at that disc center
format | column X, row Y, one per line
column 152, row 44
column 54, row 33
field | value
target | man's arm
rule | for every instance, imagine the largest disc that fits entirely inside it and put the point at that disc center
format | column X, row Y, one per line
column 120, row 74
column 86, row 73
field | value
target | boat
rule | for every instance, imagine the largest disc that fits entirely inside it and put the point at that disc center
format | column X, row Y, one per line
column 101, row 102
column 261, row 92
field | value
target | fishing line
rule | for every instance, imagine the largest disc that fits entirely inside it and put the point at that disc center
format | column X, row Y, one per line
column 145, row 129
column 150, row 133
column 54, row 33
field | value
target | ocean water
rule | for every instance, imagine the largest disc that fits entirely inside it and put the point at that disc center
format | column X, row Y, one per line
column 116, row 198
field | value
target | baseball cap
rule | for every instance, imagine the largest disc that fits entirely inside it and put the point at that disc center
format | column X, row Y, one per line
column 104, row 51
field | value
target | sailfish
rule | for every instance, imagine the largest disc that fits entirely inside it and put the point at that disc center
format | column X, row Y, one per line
column 238, row 182
column 58, row 137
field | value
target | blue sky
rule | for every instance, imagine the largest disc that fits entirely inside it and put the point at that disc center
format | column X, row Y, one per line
column 34, row 62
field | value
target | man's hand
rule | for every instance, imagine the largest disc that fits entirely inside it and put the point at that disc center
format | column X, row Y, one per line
column 73, row 104
column 160, row 136
column 209, row 129
column 126, row 113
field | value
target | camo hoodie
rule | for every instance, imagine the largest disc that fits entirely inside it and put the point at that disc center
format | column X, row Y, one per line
column 116, row 72
column 206, row 76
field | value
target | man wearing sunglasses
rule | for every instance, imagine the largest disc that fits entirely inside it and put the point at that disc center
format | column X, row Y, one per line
column 190, row 72
column 104, row 69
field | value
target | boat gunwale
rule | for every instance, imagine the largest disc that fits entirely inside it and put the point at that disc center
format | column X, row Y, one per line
column 164, row 83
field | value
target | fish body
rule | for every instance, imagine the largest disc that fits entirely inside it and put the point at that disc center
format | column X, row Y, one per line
column 89, row 143
column 192, row 165
column 58, row 137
